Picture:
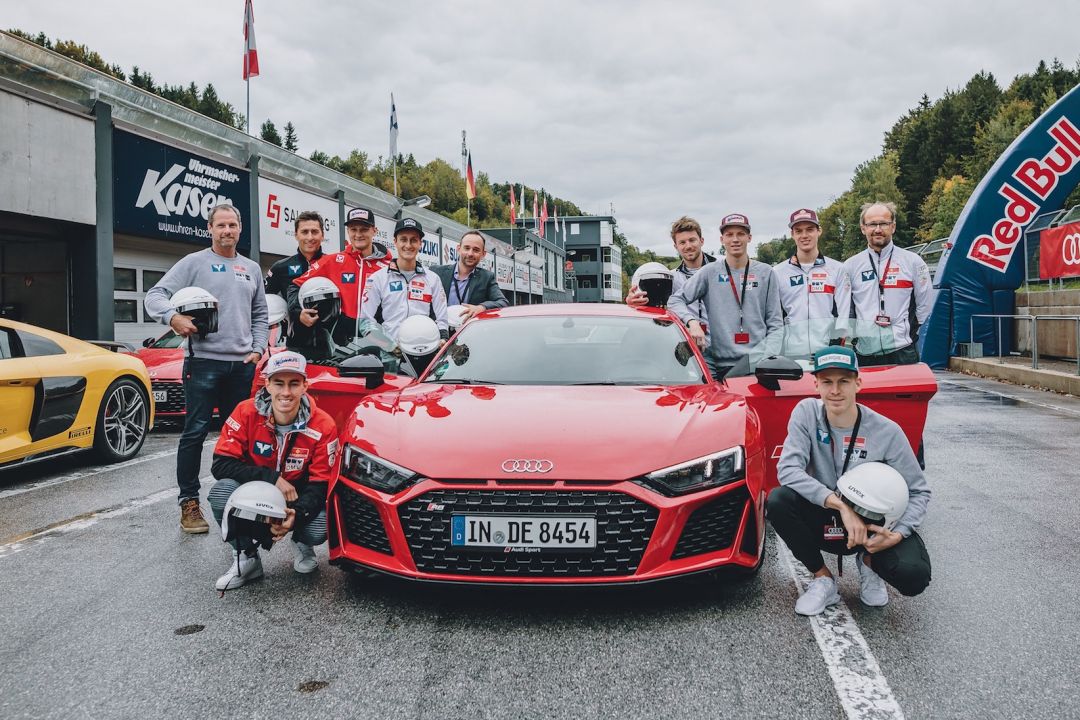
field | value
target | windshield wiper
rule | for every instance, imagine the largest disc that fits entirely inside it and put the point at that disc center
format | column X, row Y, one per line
column 463, row 382
column 597, row 382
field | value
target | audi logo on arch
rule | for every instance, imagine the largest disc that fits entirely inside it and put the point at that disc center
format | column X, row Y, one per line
column 1070, row 249
column 527, row 466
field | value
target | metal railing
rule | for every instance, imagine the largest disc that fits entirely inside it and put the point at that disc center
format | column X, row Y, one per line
column 1033, row 332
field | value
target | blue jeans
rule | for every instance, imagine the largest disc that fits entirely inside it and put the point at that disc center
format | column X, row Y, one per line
column 310, row 533
column 223, row 384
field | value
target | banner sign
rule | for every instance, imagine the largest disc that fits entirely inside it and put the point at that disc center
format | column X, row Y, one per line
column 1059, row 252
column 279, row 204
column 504, row 272
column 162, row 192
column 537, row 285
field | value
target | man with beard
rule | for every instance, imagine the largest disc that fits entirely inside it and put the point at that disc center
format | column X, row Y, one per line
column 467, row 284
column 349, row 271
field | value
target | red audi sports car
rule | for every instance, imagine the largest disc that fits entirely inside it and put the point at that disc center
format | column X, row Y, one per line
column 573, row 444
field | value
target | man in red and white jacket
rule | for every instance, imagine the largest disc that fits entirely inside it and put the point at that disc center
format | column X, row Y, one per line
column 815, row 293
column 280, row 437
column 350, row 271
column 891, row 292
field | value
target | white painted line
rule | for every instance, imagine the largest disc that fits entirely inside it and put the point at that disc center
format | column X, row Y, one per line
column 1017, row 398
column 78, row 474
column 86, row 520
column 862, row 688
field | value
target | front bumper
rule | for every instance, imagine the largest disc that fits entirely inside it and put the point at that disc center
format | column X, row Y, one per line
column 641, row 536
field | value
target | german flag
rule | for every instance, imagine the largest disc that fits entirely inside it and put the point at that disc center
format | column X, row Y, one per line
column 470, row 182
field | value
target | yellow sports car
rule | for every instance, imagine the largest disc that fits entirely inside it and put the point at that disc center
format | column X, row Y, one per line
column 60, row 395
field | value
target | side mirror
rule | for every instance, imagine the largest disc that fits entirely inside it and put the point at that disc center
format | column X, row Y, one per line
column 775, row 368
column 368, row 367
column 147, row 342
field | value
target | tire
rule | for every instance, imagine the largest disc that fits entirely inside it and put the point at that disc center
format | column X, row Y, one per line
column 122, row 422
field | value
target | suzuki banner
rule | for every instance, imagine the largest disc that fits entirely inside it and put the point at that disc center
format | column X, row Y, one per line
column 163, row 192
column 279, row 204
column 1059, row 252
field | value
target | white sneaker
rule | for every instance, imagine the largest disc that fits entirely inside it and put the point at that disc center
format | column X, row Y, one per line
column 820, row 594
column 305, row 561
column 241, row 570
column 872, row 590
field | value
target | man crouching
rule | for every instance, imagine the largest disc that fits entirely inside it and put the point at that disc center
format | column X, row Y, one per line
column 279, row 437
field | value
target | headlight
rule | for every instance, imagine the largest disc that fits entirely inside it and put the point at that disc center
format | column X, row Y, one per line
column 702, row 473
column 375, row 472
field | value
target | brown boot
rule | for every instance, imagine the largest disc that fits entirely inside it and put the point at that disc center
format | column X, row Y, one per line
column 191, row 518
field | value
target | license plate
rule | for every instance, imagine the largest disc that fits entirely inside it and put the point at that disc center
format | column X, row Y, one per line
column 523, row 531
column 161, row 395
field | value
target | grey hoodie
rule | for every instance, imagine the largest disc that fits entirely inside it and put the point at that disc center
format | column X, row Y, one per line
column 812, row 458
column 237, row 284
column 763, row 318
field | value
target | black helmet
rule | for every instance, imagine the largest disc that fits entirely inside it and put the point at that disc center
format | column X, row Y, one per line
column 656, row 281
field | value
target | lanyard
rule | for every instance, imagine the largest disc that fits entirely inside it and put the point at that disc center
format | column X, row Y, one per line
column 461, row 294
column 880, row 278
column 851, row 442
column 739, row 297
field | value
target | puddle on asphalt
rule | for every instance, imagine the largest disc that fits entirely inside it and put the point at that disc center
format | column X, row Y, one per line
column 189, row 629
column 312, row 686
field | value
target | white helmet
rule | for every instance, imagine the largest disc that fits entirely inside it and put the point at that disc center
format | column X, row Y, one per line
column 322, row 295
column 418, row 338
column 656, row 281
column 200, row 306
column 453, row 316
column 276, row 309
column 876, row 492
column 249, row 511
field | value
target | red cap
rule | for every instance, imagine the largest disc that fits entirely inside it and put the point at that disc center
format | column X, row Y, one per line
column 735, row 219
column 803, row 215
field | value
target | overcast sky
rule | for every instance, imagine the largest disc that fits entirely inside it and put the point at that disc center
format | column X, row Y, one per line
column 659, row 109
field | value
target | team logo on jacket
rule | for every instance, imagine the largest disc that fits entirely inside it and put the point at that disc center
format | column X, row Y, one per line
column 868, row 275
column 795, row 280
column 217, row 267
column 232, row 423
column 263, row 449
column 823, row 437
column 396, row 286
column 294, row 270
column 294, row 464
column 348, row 278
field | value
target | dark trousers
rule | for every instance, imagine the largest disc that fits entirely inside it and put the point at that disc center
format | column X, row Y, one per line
column 906, row 355
column 801, row 524
column 208, row 384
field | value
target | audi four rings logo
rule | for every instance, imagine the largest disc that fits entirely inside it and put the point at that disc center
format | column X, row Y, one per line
column 527, row 466
column 1070, row 249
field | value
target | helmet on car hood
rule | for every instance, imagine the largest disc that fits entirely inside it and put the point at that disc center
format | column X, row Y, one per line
column 250, row 510
column 200, row 306
column 876, row 492
column 322, row 295
column 453, row 316
column 656, row 281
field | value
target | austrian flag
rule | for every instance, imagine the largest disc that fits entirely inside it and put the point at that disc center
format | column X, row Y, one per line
column 251, row 55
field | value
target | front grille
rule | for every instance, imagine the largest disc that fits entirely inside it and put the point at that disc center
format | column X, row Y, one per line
column 363, row 526
column 713, row 525
column 623, row 528
column 174, row 394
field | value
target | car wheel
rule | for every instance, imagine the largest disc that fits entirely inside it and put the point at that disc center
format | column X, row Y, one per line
column 122, row 422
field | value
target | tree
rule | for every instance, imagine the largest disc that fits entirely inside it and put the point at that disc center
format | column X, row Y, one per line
column 943, row 206
column 993, row 137
column 269, row 133
column 291, row 142
column 776, row 250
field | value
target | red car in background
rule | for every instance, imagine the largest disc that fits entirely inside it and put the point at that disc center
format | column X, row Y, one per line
column 572, row 444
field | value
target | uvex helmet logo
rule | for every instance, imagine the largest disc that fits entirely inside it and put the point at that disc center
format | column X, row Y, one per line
column 1070, row 249
column 193, row 195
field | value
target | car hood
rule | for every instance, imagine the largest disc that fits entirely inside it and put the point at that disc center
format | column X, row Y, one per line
column 163, row 363
column 587, row 432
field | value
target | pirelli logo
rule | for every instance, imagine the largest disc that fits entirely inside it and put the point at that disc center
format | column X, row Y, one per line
column 79, row 432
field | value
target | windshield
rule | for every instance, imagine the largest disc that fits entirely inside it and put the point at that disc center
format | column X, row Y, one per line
column 569, row 350
column 168, row 340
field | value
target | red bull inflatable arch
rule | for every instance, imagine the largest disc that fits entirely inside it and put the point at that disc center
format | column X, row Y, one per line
column 989, row 243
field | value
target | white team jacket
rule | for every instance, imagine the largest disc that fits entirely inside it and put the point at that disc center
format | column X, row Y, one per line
column 816, row 303
column 400, row 298
column 906, row 279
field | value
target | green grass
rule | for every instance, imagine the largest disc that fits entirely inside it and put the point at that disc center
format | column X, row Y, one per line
column 1070, row 284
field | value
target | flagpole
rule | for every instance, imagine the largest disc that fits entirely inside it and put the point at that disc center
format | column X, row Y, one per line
column 248, row 116
column 465, row 174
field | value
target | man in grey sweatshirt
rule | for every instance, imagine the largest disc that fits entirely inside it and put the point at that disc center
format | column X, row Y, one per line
column 218, row 368
column 826, row 438
column 741, row 300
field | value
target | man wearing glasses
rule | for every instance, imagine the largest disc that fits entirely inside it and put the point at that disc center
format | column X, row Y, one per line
column 891, row 292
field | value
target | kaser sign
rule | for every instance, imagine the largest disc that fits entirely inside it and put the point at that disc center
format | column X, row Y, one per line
column 1059, row 252
column 279, row 204
column 163, row 192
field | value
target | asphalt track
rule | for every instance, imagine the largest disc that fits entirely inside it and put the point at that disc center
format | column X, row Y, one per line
column 109, row 610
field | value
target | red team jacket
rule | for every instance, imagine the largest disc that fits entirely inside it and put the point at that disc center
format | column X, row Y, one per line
column 349, row 272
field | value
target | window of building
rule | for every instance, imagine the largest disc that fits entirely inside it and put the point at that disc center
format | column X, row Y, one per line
column 126, row 311
column 150, row 278
column 575, row 228
column 587, row 281
column 586, row 255
column 609, row 283
column 124, row 279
